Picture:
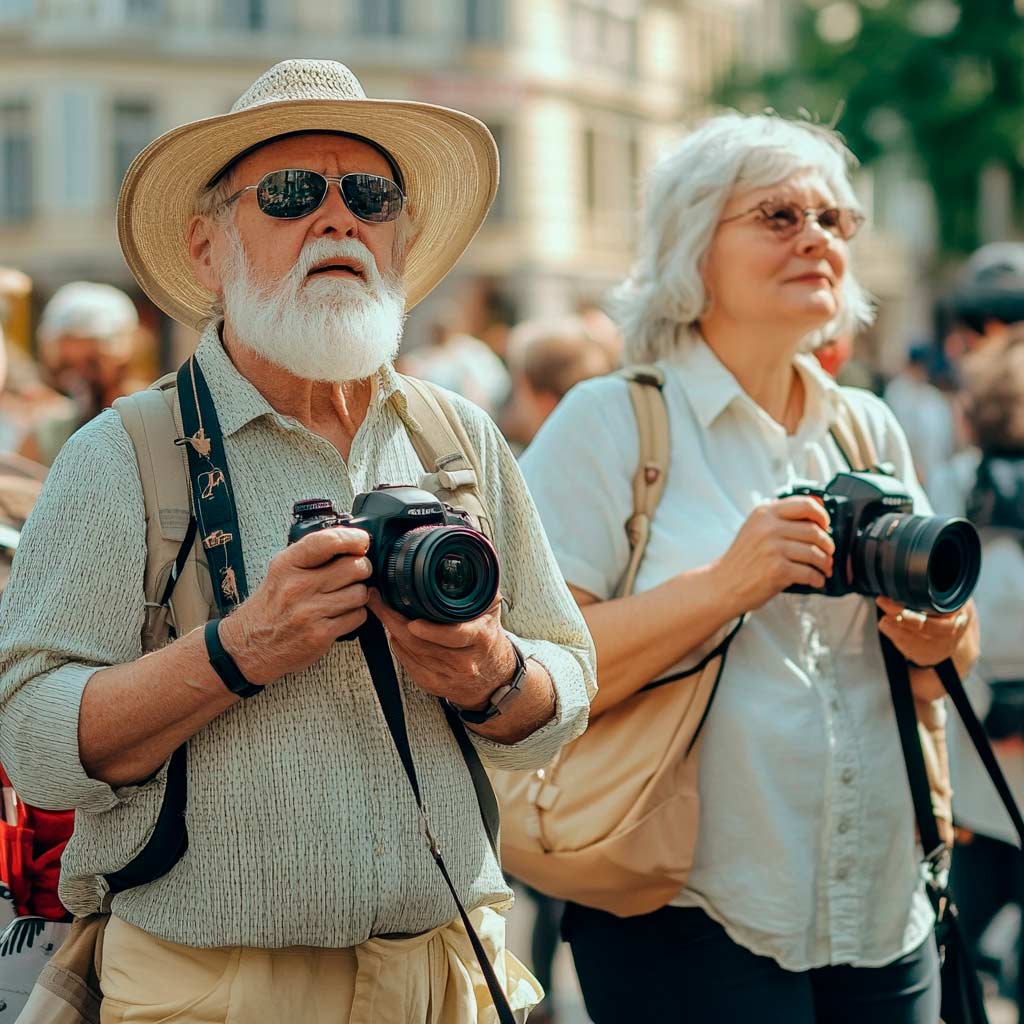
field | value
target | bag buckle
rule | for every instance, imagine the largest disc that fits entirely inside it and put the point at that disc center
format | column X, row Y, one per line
column 425, row 830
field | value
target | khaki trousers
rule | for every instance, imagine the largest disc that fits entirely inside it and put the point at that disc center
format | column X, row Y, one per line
column 427, row 979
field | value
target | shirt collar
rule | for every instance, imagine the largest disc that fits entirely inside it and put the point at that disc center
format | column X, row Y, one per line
column 711, row 388
column 239, row 402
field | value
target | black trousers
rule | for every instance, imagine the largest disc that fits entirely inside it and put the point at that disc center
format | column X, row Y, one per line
column 987, row 875
column 677, row 966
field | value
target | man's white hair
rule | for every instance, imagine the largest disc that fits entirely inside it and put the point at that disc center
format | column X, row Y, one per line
column 660, row 303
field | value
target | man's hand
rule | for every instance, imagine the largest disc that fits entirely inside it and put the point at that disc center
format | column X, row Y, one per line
column 313, row 594
column 464, row 662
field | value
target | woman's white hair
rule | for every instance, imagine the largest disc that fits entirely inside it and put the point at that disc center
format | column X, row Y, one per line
column 661, row 301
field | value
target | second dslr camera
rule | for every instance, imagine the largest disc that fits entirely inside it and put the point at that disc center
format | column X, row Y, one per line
column 928, row 563
column 428, row 560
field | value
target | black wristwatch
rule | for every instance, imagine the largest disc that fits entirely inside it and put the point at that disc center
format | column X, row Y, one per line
column 224, row 665
column 501, row 698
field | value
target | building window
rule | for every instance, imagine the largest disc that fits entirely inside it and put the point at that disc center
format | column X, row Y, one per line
column 604, row 32
column 380, row 17
column 485, row 21
column 590, row 197
column 249, row 15
column 146, row 12
column 15, row 161
column 134, row 129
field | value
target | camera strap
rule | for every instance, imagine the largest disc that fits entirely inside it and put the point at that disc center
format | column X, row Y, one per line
column 374, row 642
column 213, row 499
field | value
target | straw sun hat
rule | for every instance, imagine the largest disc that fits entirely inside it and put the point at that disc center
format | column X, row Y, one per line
column 448, row 161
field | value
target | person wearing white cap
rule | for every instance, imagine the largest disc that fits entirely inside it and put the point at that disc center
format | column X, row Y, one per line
column 294, row 232
column 86, row 341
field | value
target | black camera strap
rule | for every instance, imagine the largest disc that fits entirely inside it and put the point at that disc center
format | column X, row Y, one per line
column 962, row 1001
column 374, row 642
column 213, row 499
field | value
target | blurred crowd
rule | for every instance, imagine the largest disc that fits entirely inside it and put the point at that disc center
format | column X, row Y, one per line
column 959, row 398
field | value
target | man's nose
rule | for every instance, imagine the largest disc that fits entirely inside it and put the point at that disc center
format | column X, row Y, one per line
column 333, row 217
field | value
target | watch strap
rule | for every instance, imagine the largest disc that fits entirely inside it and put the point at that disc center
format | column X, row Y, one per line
column 224, row 665
column 501, row 698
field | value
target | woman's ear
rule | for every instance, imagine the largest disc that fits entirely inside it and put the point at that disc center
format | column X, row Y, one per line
column 200, row 251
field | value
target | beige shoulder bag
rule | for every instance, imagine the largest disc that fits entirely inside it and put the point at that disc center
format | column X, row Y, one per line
column 611, row 822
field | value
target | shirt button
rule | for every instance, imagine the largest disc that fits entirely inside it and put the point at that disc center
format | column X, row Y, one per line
column 844, row 826
column 848, row 775
column 841, row 874
column 834, row 704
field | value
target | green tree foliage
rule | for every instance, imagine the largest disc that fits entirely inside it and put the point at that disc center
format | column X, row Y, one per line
column 940, row 79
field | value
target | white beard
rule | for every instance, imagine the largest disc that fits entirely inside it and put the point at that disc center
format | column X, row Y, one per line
column 319, row 329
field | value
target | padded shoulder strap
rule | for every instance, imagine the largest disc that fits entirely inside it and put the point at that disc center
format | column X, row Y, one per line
column 450, row 463
column 645, row 391
column 852, row 438
column 152, row 421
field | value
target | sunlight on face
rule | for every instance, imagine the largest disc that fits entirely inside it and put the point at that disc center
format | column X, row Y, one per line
column 755, row 276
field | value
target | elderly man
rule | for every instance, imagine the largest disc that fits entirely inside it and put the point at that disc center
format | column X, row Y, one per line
column 298, row 229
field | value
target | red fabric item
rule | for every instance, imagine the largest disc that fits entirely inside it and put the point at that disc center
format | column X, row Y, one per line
column 30, row 857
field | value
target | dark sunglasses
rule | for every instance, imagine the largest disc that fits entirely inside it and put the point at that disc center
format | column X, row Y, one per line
column 294, row 193
column 787, row 220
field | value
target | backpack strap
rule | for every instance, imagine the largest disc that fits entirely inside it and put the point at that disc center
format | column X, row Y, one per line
column 852, row 439
column 450, row 463
column 152, row 422
column 646, row 383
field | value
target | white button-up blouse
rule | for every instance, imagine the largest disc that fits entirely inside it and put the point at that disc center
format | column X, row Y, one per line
column 806, row 851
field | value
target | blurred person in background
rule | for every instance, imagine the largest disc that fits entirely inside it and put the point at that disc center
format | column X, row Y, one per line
column 805, row 901
column 985, row 482
column 461, row 363
column 86, row 342
column 547, row 358
column 923, row 412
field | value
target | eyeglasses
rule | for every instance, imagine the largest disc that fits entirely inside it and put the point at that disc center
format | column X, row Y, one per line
column 290, row 194
column 787, row 220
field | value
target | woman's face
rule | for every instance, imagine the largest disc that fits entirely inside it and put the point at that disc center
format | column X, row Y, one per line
column 754, row 274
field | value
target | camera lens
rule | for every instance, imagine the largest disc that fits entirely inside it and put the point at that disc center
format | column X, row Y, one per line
column 443, row 573
column 929, row 563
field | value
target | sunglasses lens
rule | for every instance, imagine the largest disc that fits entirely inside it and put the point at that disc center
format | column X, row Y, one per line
column 372, row 198
column 785, row 220
column 289, row 194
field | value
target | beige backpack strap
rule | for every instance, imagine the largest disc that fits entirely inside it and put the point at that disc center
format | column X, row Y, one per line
column 645, row 390
column 854, row 442
column 152, row 421
column 450, row 463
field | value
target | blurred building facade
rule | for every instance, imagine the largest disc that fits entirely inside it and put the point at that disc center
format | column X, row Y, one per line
column 580, row 94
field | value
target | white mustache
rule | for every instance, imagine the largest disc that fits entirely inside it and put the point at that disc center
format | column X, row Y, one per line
column 335, row 249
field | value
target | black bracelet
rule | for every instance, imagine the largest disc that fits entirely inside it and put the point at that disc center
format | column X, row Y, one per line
column 224, row 665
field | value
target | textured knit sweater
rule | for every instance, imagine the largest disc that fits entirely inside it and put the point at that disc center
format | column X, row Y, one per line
column 302, row 826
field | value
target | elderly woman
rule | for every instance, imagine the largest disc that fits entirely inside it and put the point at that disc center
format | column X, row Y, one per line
column 804, row 903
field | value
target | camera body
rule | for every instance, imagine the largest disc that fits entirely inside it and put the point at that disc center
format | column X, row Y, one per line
column 928, row 563
column 852, row 500
column 428, row 559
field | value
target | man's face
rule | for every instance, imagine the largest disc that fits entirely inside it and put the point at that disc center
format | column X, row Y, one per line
column 319, row 296
column 272, row 246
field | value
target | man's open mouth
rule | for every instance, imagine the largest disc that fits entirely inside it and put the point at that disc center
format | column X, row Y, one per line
column 341, row 268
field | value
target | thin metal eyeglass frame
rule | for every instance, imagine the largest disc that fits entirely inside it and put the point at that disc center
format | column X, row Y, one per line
column 808, row 213
column 328, row 179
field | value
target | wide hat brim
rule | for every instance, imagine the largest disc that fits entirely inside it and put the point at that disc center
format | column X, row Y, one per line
column 448, row 160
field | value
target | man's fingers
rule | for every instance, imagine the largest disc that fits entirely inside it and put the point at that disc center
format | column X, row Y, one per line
column 316, row 549
column 342, row 573
column 454, row 636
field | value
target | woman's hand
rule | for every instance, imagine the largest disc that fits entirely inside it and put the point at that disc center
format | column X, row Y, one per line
column 923, row 639
column 783, row 542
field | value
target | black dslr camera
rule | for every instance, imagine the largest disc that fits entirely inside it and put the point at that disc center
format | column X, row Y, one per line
column 428, row 560
column 928, row 563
